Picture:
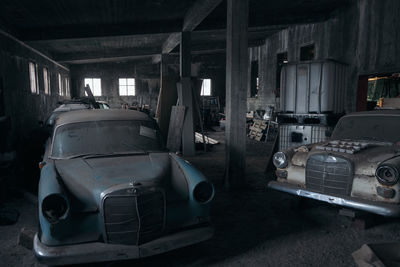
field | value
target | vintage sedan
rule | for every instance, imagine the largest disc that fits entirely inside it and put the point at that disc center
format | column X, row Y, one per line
column 357, row 168
column 109, row 190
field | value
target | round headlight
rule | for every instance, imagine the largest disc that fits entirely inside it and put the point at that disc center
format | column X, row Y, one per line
column 387, row 175
column 203, row 192
column 54, row 207
column 280, row 160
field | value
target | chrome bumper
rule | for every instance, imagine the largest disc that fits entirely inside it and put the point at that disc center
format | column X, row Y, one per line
column 384, row 209
column 97, row 251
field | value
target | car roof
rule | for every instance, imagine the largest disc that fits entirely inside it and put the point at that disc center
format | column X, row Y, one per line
column 377, row 112
column 71, row 106
column 101, row 115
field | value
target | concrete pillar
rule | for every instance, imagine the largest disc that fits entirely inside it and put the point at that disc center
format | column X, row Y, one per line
column 186, row 95
column 236, row 92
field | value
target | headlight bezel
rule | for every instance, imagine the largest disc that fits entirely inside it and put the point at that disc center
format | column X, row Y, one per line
column 394, row 171
column 283, row 156
column 203, row 192
column 48, row 203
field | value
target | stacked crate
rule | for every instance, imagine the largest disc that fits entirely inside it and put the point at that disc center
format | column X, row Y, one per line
column 258, row 129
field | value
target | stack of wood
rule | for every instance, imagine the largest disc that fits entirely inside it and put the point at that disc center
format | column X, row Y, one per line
column 258, row 129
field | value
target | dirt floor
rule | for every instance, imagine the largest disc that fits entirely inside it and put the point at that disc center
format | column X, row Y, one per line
column 255, row 226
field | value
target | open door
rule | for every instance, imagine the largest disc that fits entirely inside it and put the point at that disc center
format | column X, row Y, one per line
column 362, row 93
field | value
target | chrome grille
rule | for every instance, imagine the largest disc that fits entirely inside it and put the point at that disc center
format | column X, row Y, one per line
column 134, row 217
column 329, row 174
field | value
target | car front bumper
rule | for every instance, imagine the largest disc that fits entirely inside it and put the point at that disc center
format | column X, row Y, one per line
column 97, row 251
column 384, row 209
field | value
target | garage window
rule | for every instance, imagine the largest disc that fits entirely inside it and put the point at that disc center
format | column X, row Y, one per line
column 66, row 86
column 307, row 52
column 206, row 87
column 60, row 87
column 127, row 87
column 95, row 85
column 46, row 81
column 33, row 77
column 254, row 79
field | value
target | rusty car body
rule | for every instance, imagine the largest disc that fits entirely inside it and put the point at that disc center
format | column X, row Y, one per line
column 357, row 168
column 109, row 190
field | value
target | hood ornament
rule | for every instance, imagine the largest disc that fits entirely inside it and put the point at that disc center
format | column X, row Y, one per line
column 133, row 185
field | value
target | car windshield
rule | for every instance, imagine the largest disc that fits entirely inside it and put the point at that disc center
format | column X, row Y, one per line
column 104, row 138
column 375, row 128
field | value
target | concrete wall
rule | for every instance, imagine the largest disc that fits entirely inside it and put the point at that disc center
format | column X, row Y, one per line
column 22, row 107
column 362, row 35
column 147, row 81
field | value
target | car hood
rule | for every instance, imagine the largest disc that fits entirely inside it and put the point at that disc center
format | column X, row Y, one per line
column 365, row 161
column 86, row 179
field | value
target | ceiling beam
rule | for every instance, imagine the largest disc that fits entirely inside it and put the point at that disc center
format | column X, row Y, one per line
column 107, row 59
column 87, row 31
column 108, row 55
column 200, row 46
column 193, row 17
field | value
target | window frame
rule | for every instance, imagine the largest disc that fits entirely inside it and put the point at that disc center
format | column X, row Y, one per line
column 33, row 77
column 94, row 92
column 60, row 85
column 46, row 81
column 305, row 52
column 202, row 93
column 127, row 86
column 66, row 85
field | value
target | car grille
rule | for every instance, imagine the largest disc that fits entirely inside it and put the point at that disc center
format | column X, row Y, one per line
column 134, row 217
column 329, row 174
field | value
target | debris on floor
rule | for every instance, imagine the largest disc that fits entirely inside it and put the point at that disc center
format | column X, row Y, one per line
column 208, row 140
column 25, row 238
column 384, row 254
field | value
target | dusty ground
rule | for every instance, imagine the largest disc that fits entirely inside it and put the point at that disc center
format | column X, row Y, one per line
column 254, row 226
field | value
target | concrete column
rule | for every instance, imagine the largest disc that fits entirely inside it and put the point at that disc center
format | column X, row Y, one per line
column 186, row 95
column 237, row 62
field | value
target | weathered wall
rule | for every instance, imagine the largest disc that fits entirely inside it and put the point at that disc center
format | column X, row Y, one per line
column 146, row 76
column 20, row 105
column 362, row 35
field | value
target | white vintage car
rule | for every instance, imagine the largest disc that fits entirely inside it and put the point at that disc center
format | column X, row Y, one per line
column 357, row 168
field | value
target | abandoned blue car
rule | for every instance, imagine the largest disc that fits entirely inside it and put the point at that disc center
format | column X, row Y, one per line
column 109, row 190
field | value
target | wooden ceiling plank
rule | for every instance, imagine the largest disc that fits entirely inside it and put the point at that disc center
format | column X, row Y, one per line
column 193, row 17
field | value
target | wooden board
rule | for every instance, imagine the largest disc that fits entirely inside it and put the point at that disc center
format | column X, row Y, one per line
column 209, row 140
column 174, row 139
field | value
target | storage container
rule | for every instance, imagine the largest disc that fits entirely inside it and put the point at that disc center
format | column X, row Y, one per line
column 292, row 135
column 313, row 87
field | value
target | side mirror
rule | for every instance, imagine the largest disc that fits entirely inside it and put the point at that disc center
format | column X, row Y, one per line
column 41, row 123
